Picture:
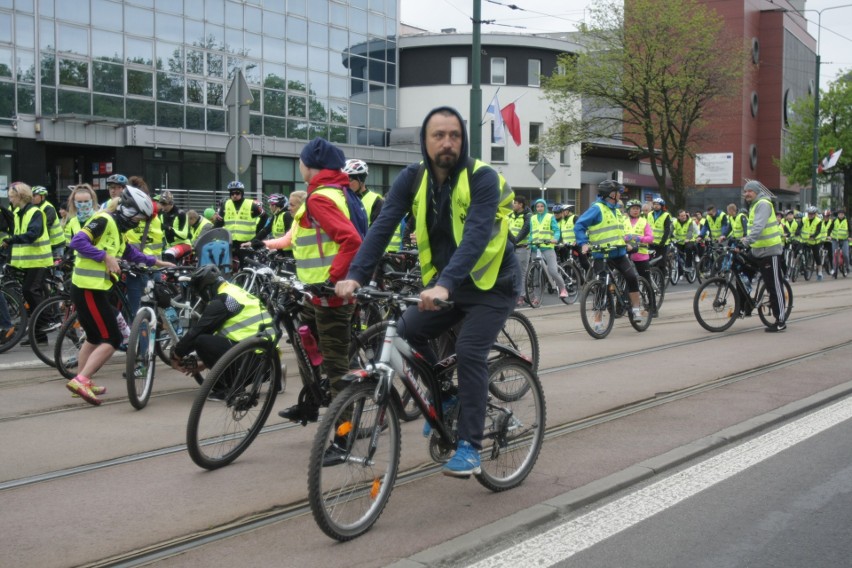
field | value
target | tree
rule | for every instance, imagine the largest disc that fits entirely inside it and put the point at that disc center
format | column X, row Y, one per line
column 835, row 132
column 649, row 76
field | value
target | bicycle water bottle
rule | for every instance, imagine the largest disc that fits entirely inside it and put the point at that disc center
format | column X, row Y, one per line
column 172, row 316
column 746, row 282
column 123, row 328
column 310, row 345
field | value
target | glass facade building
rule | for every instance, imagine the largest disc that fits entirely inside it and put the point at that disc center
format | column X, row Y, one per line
column 314, row 67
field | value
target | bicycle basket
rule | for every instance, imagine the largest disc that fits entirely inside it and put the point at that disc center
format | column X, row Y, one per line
column 163, row 294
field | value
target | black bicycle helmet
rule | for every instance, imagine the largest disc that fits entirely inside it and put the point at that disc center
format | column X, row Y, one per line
column 206, row 280
column 607, row 186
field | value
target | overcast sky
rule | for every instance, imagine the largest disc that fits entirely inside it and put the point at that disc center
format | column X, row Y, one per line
column 537, row 16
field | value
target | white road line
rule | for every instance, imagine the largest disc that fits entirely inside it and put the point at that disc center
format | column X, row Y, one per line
column 566, row 540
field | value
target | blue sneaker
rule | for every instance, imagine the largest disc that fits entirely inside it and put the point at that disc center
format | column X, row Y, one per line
column 446, row 406
column 464, row 462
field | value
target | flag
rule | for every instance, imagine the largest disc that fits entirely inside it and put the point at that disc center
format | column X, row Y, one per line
column 512, row 122
column 829, row 161
column 494, row 110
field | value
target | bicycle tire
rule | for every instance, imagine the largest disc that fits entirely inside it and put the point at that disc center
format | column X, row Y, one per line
column 535, row 285
column 595, row 301
column 674, row 270
column 658, row 282
column 808, row 265
column 764, row 306
column 18, row 315
column 716, row 304
column 141, row 361
column 514, row 430
column 67, row 349
column 645, row 298
column 571, row 277
column 246, row 380
column 519, row 333
column 691, row 274
column 349, row 497
column 40, row 318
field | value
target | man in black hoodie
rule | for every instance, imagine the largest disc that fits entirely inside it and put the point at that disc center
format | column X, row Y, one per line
column 483, row 284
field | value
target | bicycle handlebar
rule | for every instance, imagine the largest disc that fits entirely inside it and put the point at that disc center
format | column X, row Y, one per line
column 368, row 294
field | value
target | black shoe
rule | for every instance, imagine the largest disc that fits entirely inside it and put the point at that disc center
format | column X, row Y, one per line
column 298, row 414
column 776, row 327
column 335, row 454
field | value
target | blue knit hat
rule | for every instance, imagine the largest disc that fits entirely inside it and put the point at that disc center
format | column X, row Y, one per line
column 321, row 154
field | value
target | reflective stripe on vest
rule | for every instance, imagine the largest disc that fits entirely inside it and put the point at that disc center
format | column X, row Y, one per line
column 714, row 225
column 368, row 200
column 771, row 233
column 313, row 249
column 92, row 274
column 247, row 321
column 638, row 231
column 57, row 236
column 809, row 234
column 278, row 225
column 737, row 226
column 484, row 273
column 566, row 227
column 540, row 230
column 516, row 223
column 240, row 223
column 681, row 231
column 840, row 230
column 609, row 233
column 36, row 254
column 154, row 246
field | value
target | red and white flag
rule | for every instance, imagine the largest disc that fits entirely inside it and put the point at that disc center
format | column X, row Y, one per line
column 512, row 122
column 829, row 161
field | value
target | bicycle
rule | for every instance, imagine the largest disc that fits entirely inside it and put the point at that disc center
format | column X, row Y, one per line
column 840, row 266
column 605, row 298
column 153, row 333
column 10, row 288
column 537, row 275
column 803, row 263
column 672, row 265
column 691, row 273
column 719, row 301
column 237, row 396
column 348, row 490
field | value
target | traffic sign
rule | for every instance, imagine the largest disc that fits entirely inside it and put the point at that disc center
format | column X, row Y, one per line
column 238, row 100
column 238, row 154
column 543, row 170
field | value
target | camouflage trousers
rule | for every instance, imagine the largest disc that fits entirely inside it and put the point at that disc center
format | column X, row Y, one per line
column 333, row 329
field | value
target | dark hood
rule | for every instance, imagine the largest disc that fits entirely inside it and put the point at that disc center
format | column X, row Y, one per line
column 465, row 149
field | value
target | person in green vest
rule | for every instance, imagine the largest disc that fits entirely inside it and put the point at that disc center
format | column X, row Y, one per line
column 230, row 315
column 461, row 208
column 54, row 223
column 736, row 223
column 175, row 228
column 357, row 171
column 764, row 238
column 99, row 246
column 811, row 235
column 240, row 216
column 198, row 225
column 838, row 232
column 147, row 237
column 713, row 223
column 661, row 223
column 544, row 234
column 30, row 245
column 82, row 204
column 519, row 230
column 684, row 234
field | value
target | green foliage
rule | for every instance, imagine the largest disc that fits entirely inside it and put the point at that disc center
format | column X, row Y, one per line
column 648, row 77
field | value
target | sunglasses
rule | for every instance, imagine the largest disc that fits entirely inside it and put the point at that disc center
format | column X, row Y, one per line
column 235, row 192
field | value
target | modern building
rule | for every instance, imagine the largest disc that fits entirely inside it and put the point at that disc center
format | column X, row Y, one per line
column 92, row 87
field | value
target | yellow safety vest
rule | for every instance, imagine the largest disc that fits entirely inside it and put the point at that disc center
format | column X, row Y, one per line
column 72, row 227
column 368, row 200
column 154, row 246
column 809, row 234
column 516, row 222
column 195, row 231
column 566, row 226
column 840, row 230
column 36, row 254
column 313, row 249
column 484, row 273
column 771, row 233
column 540, row 230
column 240, row 223
column 714, row 224
column 278, row 228
column 181, row 233
column 680, row 231
column 92, row 274
column 658, row 225
column 395, row 244
column 737, row 226
column 791, row 228
column 637, row 231
column 823, row 231
column 609, row 233
column 57, row 236
column 245, row 323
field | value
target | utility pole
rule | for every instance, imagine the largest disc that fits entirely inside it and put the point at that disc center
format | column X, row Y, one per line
column 475, row 116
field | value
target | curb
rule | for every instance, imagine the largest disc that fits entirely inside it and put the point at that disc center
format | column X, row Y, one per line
column 468, row 546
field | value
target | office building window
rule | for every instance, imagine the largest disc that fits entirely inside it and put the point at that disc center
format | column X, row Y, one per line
column 458, row 71
column 534, row 138
column 498, row 70
column 534, row 72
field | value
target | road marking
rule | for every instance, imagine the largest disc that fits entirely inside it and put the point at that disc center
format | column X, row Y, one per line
column 566, row 540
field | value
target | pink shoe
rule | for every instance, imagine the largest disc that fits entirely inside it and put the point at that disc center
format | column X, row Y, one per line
column 78, row 387
column 563, row 293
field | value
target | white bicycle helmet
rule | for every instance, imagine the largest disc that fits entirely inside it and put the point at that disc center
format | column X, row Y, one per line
column 355, row 167
column 133, row 202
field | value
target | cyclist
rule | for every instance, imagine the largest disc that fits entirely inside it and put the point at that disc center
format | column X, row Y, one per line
column 175, row 228
column 285, row 242
column 240, row 216
column 839, row 235
column 569, row 218
column 519, row 230
column 811, row 236
column 230, row 315
column 661, row 223
column 791, row 228
column 464, row 257
column 324, row 243
column 764, row 238
column 281, row 221
column 357, row 171
column 198, row 225
column 736, row 223
column 146, row 237
column 54, row 223
column 713, row 223
column 544, row 233
column 99, row 245
column 638, row 234
column 602, row 226
column 683, row 234
column 115, row 185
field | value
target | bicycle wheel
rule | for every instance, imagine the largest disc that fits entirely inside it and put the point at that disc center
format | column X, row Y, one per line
column 141, row 359
column 45, row 321
column 808, row 265
column 658, row 283
column 234, row 402
column 18, row 319
column 705, row 266
column 690, row 273
column 351, row 476
column 764, row 306
column 716, row 304
column 519, row 334
column 67, row 349
column 596, row 309
column 514, row 429
column 535, row 284
column 571, row 277
column 646, row 293
column 674, row 270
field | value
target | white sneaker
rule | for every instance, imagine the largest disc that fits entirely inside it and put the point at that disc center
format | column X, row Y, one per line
column 599, row 327
column 637, row 315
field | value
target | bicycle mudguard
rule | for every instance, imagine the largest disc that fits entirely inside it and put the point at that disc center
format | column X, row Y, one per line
column 506, row 351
